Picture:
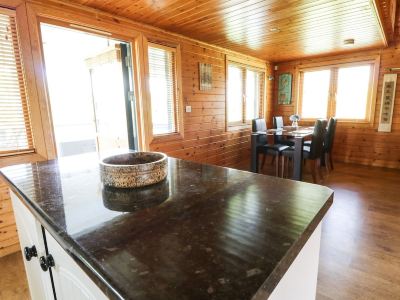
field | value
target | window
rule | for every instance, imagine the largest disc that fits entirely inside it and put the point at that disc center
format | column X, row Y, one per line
column 163, row 89
column 352, row 95
column 245, row 88
column 343, row 91
column 15, row 128
column 315, row 96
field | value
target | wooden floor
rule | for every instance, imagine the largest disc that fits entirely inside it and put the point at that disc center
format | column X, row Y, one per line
column 360, row 246
column 360, row 250
column 13, row 283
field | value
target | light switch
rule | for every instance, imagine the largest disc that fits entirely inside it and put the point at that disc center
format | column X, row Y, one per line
column 188, row 108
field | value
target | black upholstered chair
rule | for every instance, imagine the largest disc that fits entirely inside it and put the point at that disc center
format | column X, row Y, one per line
column 278, row 124
column 259, row 125
column 328, row 143
column 313, row 152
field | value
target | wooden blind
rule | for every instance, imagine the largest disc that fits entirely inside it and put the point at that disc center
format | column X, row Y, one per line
column 15, row 126
column 162, row 76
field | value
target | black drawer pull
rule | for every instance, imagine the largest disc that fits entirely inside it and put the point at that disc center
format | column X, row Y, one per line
column 30, row 252
column 46, row 262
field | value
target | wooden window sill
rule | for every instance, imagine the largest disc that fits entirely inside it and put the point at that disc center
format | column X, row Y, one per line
column 235, row 127
column 166, row 138
column 20, row 159
column 342, row 123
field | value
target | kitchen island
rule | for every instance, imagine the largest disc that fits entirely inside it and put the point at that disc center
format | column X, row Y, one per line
column 205, row 232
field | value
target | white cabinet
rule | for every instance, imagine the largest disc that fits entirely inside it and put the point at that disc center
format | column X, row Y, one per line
column 31, row 238
column 69, row 280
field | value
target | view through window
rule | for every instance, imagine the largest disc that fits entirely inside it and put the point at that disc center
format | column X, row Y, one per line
column 340, row 91
column 85, row 76
column 244, row 94
column 162, row 80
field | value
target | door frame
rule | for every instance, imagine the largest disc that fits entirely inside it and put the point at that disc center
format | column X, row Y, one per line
column 86, row 21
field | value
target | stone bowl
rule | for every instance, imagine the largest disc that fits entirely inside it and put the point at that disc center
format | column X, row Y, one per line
column 133, row 169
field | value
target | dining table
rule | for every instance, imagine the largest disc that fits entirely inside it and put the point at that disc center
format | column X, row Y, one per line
column 297, row 134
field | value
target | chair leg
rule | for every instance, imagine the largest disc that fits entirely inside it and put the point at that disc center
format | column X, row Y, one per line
column 273, row 160
column 327, row 163
column 283, row 166
column 263, row 161
column 313, row 167
column 276, row 164
column 290, row 166
column 330, row 160
column 287, row 165
column 319, row 173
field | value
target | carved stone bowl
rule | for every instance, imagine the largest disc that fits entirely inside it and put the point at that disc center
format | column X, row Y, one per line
column 134, row 169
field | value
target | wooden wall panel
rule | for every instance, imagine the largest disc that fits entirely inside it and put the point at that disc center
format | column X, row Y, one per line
column 355, row 143
column 205, row 138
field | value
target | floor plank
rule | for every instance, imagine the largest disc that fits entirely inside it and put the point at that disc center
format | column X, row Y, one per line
column 360, row 245
column 13, row 282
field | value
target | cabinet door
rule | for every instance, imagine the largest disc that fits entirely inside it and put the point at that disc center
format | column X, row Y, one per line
column 30, row 235
column 70, row 282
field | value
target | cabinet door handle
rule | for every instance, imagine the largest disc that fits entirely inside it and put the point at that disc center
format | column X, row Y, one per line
column 30, row 252
column 46, row 262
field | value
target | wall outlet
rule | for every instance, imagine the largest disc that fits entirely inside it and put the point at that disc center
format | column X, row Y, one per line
column 188, row 108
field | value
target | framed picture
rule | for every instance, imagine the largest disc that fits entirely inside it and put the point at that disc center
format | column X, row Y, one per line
column 285, row 89
column 205, row 74
column 387, row 102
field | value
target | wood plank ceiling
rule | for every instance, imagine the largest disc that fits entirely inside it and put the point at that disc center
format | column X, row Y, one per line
column 275, row 30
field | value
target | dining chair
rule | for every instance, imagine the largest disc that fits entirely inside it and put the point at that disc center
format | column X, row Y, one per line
column 278, row 124
column 313, row 152
column 259, row 125
column 328, row 144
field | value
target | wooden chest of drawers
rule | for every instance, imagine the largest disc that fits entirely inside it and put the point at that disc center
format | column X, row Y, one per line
column 8, row 231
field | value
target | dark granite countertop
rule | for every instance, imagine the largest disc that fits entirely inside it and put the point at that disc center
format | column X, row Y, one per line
column 206, row 232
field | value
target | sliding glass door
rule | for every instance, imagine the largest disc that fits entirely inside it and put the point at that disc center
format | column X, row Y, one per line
column 90, row 88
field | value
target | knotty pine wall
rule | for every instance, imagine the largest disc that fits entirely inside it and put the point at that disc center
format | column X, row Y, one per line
column 355, row 143
column 205, row 138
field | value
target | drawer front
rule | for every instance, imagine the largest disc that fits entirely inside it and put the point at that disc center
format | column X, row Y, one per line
column 6, row 250
column 9, row 242
column 7, row 219
column 5, row 206
column 4, row 191
column 8, row 232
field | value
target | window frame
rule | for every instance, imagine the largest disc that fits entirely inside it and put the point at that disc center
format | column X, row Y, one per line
column 178, row 106
column 254, row 66
column 373, row 61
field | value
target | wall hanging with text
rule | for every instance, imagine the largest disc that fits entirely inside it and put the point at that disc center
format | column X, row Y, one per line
column 387, row 102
